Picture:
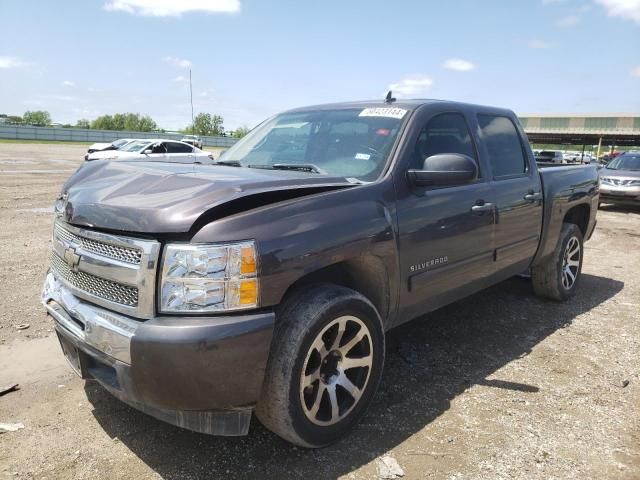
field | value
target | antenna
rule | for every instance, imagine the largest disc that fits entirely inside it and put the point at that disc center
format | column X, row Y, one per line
column 390, row 98
column 191, row 96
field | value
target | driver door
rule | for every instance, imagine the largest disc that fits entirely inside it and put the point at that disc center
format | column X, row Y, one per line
column 446, row 232
column 158, row 152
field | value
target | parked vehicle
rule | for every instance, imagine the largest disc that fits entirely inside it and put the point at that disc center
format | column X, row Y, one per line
column 577, row 157
column 550, row 156
column 116, row 145
column 266, row 281
column 607, row 157
column 192, row 140
column 620, row 180
column 157, row 150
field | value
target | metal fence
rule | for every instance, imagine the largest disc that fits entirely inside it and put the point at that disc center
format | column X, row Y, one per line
column 18, row 132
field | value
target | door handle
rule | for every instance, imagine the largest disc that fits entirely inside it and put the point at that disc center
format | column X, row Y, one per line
column 485, row 207
column 532, row 197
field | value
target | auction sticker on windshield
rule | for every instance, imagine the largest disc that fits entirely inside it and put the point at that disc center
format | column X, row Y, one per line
column 383, row 112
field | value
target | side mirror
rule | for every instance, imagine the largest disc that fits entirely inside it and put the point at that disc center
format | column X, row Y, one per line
column 445, row 169
column 148, row 151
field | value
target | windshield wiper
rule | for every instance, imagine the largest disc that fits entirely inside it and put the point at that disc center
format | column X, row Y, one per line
column 228, row 163
column 303, row 167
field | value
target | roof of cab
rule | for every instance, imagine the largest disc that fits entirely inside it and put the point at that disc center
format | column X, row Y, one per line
column 407, row 104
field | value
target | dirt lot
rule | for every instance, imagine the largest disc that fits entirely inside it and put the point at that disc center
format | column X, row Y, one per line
column 501, row 385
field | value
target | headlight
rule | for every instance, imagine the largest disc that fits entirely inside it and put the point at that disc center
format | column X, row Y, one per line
column 209, row 278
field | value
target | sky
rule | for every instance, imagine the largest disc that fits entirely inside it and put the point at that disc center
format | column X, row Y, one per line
column 253, row 58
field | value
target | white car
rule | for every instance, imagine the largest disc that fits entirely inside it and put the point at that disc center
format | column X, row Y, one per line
column 577, row 157
column 98, row 147
column 156, row 150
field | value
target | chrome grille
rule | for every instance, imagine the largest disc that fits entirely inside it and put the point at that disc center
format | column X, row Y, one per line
column 621, row 182
column 116, row 272
column 122, row 254
column 99, row 287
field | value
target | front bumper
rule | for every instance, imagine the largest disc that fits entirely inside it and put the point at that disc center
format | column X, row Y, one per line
column 619, row 194
column 200, row 373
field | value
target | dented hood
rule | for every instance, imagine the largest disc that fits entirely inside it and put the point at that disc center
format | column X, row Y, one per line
column 151, row 197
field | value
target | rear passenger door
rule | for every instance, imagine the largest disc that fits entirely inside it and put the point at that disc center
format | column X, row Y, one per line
column 517, row 193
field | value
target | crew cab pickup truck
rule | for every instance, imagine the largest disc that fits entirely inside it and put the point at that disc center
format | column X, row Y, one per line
column 264, row 283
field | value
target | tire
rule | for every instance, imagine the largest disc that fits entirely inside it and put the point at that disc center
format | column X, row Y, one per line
column 307, row 322
column 557, row 278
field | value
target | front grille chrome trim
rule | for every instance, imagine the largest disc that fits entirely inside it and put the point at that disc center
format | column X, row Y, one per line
column 100, row 247
column 94, row 286
column 106, row 276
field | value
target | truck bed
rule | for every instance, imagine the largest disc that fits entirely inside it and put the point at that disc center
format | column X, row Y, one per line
column 564, row 186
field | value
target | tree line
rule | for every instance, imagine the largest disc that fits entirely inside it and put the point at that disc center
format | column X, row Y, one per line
column 205, row 124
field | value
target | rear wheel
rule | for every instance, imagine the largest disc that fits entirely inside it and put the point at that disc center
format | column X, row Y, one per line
column 558, row 276
column 325, row 366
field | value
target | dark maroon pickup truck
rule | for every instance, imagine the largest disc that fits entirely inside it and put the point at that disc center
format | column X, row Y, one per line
column 266, row 281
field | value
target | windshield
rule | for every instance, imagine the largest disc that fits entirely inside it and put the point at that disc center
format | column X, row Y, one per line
column 134, row 146
column 625, row 162
column 120, row 143
column 342, row 142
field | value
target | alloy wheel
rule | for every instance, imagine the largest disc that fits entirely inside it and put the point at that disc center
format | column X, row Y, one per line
column 336, row 370
column 571, row 263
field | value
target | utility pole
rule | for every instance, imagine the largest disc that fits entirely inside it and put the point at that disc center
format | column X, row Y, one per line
column 191, row 97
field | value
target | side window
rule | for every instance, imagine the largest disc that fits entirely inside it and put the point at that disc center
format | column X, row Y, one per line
column 159, row 148
column 175, row 147
column 445, row 133
column 503, row 146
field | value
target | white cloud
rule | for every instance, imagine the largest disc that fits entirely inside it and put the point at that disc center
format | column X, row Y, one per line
column 12, row 62
column 177, row 62
column 635, row 72
column 568, row 21
column 541, row 44
column 458, row 64
column 68, row 83
column 412, row 85
column 171, row 8
column 181, row 79
column 625, row 9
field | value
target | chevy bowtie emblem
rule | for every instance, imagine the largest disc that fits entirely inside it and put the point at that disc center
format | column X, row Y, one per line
column 72, row 259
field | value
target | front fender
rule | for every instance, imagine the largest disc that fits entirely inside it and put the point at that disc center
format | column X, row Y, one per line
column 299, row 236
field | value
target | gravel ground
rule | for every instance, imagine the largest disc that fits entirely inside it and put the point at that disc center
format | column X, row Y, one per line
column 500, row 385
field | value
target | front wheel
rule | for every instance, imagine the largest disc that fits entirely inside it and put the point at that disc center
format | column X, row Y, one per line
column 558, row 276
column 325, row 365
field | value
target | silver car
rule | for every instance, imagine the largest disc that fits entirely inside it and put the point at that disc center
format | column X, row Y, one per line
column 620, row 180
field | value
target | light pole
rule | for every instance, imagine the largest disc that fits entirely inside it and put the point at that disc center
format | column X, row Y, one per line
column 191, row 97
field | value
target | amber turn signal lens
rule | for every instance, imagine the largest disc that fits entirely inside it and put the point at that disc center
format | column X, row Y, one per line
column 248, row 292
column 248, row 265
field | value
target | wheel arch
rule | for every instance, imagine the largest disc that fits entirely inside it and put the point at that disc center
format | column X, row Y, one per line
column 579, row 215
column 366, row 275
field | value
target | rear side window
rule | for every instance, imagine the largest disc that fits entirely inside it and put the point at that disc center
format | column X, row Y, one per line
column 445, row 133
column 175, row 147
column 503, row 146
